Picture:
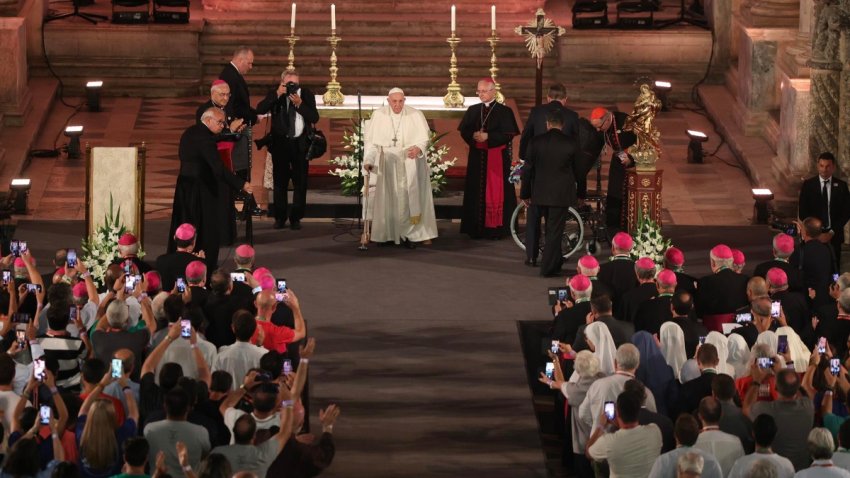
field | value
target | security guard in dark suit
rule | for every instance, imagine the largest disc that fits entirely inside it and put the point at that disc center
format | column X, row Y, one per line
column 549, row 183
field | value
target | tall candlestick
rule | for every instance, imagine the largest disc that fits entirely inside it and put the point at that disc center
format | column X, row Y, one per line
column 333, row 17
column 492, row 17
column 292, row 20
column 453, row 18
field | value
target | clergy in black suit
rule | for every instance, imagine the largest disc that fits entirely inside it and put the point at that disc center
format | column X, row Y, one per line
column 619, row 140
column 568, row 320
column 646, row 290
column 489, row 199
column 621, row 332
column 682, row 306
column 173, row 264
column 828, row 199
column 783, row 247
column 196, row 193
column 293, row 110
column 794, row 304
column 619, row 272
column 721, row 293
column 549, row 185
column 537, row 125
column 240, row 102
column 654, row 312
column 816, row 261
column 695, row 390
column 674, row 259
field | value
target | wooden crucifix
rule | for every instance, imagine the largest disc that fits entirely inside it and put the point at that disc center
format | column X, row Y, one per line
column 540, row 35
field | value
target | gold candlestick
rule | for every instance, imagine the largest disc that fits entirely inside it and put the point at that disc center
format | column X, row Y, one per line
column 494, row 70
column 333, row 96
column 453, row 98
column 292, row 39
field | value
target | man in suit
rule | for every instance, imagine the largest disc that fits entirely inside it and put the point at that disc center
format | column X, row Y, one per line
column 722, row 292
column 794, row 304
column 537, row 125
column 619, row 273
column 646, row 290
column 570, row 319
column 610, row 124
column 695, row 390
column 549, row 184
column 173, row 264
column 681, row 308
column 600, row 311
column 783, row 247
column 293, row 110
column 652, row 313
column 588, row 265
column 828, row 199
column 240, row 105
column 815, row 259
column 674, row 259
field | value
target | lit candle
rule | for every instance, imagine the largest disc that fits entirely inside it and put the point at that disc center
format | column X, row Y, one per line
column 292, row 21
column 492, row 17
column 453, row 18
column 333, row 17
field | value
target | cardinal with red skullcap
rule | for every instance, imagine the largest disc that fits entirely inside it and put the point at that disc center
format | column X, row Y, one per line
column 617, row 140
column 721, row 293
column 489, row 198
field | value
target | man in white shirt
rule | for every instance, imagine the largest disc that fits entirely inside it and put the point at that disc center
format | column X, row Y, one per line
column 632, row 449
column 607, row 389
column 841, row 457
column 764, row 431
column 686, row 432
column 238, row 359
column 820, row 446
column 725, row 447
column 181, row 351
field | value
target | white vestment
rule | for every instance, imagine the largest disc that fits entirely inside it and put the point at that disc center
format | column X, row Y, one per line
column 401, row 205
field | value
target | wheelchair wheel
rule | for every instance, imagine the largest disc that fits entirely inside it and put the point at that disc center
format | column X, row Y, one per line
column 571, row 241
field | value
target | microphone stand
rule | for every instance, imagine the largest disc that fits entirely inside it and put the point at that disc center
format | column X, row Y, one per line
column 360, row 154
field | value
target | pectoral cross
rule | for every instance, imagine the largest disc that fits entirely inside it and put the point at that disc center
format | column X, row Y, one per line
column 540, row 35
column 394, row 141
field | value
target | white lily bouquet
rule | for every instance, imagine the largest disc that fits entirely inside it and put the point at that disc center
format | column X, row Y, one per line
column 101, row 248
column 649, row 242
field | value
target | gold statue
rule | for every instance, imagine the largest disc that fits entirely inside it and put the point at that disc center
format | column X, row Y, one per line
column 647, row 149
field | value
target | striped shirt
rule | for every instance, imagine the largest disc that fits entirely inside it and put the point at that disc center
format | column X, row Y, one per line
column 69, row 352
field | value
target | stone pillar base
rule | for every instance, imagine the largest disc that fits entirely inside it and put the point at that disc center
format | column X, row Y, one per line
column 643, row 195
column 15, row 98
column 793, row 160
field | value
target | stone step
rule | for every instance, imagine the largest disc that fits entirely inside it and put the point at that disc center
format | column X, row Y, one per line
column 380, row 6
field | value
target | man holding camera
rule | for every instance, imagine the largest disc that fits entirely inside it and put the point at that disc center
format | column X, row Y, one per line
column 293, row 113
column 828, row 199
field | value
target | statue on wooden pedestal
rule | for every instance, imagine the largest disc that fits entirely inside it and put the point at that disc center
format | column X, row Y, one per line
column 647, row 149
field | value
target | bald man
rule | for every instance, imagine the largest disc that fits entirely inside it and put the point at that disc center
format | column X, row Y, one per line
column 276, row 337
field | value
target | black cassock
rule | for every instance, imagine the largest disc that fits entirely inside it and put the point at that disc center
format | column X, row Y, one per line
column 199, row 187
column 500, row 126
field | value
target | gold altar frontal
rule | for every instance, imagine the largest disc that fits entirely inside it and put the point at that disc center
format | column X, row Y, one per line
column 431, row 106
column 643, row 196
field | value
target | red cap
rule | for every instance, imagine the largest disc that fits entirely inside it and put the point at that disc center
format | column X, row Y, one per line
column 783, row 243
column 487, row 79
column 721, row 251
column 219, row 82
column 579, row 283
column 80, row 290
column 267, row 282
column 738, row 257
column 623, row 241
column 185, row 232
column 262, row 271
column 196, row 270
column 666, row 278
column 588, row 262
column 598, row 113
column 245, row 251
column 675, row 257
column 19, row 262
column 127, row 239
column 777, row 277
column 153, row 281
column 645, row 263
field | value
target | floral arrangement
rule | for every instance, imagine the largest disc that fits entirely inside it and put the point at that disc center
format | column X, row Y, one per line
column 649, row 242
column 101, row 249
column 346, row 165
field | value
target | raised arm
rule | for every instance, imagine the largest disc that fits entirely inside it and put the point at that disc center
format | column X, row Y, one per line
column 61, row 409
column 234, row 396
column 22, row 403
column 95, row 393
column 201, row 363
column 129, row 398
column 295, row 306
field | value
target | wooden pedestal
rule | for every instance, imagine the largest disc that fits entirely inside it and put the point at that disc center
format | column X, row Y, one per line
column 643, row 195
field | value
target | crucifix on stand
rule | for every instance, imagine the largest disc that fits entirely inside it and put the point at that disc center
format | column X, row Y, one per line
column 540, row 35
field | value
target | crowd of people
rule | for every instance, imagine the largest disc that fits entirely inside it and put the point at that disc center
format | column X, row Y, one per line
column 161, row 369
column 665, row 375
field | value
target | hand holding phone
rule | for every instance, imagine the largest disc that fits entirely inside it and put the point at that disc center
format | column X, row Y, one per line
column 822, row 345
column 610, row 410
column 185, row 328
column 44, row 414
column 550, row 370
column 38, row 369
column 835, row 366
column 181, row 285
column 117, row 368
column 72, row 258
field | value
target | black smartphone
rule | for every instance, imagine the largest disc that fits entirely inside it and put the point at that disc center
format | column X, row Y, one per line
column 835, row 366
column 185, row 328
column 281, row 286
column 72, row 258
column 44, row 414
column 72, row 313
column 287, row 366
column 181, row 285
column 15, row 248
column 33, row 287
column 7, row 277
column 117, row 368
column 782, row 344
column 775, row 309
column 21, row 318
column 237, row 276
column 822, row 345
column 23, row 246
column 129, row 284
column 21, row 337
column 610, row 410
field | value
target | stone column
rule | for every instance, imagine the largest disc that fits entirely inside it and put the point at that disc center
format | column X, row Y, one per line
column 826, row 89
column 771, row 13
column 15, row 98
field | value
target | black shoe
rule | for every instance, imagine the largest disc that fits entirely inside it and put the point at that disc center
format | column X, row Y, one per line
column 279, row 225
column 270, row 210
column 257, row 212
column 295, row 225
column 531, row 262
column 408, row 244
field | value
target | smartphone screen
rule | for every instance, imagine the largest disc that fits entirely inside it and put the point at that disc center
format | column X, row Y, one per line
column 834, row 277
column 38, row 369
column 21, row 336
column 281, row 286
column 743, row 318
column 554, row 348
column 287, row 366
column 775, row 308
column 15, row 248
column 72, row 258
column 835, row 366
column 237, row 276
column 33, row 287
column 44, row 414
column 550, row 371
column 185, row 328
column 72, row 313
column 7, row 277
column 21, row 318
column 128, row 267
column 782, row 344
column 23, row 246
column 181, row 285
column 562, row 295
column 609, row 410
column 822, row 345
column 702, row 339
column 129, row 284
column 117, row 368
column 765, row 362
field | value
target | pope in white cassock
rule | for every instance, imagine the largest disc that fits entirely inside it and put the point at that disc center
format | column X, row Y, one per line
column 401, row 206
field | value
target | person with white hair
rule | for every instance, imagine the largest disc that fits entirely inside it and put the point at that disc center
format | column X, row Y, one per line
column 821, row 447
column 608, row 388
column 673, row 347
column 396, row 141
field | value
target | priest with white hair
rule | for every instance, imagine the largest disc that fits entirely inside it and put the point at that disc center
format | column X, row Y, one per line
column 401, row 206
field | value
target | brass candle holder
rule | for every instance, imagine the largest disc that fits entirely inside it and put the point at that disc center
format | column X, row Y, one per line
column 292, row 39
column 494, row 69
column 333, row 96
column 453, row 98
